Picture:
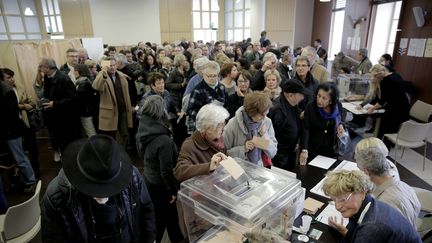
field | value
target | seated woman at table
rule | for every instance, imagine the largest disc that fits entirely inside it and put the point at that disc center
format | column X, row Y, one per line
column 370, row 220
column 372, row 161
column 322, row 124
column 251, row 121
column 201, row 153
column 392, row 98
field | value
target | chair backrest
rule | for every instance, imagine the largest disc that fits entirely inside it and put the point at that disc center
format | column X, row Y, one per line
column 425, row 198
column 21, row 218
column 411, row 131
column 421, row 111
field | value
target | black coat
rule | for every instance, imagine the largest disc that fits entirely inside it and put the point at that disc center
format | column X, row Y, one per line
column 286, row 123
column 88, row 98
column 319, row 135
column 63, row 119
column 174, row 86
column 233, row 103
column 310, row 87
column 159, row 152
column 10, row 123
column 395, row 102
column 63, row 218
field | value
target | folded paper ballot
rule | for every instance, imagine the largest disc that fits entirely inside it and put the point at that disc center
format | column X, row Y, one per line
column 260, row 142
column 311, row 205
column 233, row 168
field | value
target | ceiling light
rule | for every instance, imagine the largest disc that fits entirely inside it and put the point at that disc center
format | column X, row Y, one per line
column 28, row 12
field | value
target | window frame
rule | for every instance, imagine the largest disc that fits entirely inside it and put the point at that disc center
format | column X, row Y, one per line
column 233, row 28
column 27, row 34
column 212, row 28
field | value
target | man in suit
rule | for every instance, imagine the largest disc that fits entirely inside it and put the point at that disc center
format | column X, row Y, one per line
column 68, row 68
column 115, row 109
column 61, row 112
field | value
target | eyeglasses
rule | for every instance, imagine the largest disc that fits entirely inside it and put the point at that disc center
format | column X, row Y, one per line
column 303, row 66
column 211, row 75
column 342, row 200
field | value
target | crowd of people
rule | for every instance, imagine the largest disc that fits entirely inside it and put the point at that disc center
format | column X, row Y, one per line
column 185, row 108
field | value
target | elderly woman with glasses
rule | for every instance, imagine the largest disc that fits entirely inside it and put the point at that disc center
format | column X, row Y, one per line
column 370, row 155
column 209, row 91
column 248, row 127
column 202, row 152
column 370, row 220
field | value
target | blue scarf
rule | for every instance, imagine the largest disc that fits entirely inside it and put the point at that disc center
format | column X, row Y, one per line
column 253, row 155
column 331, row 116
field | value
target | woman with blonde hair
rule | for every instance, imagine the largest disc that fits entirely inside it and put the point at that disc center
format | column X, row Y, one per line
column 370, row 220
column 392, row 97
column 272, row 81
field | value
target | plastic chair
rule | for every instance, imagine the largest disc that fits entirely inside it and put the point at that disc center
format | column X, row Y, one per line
column 411, row 135
column 424, row 224
column 22, row 222
column 421, row 111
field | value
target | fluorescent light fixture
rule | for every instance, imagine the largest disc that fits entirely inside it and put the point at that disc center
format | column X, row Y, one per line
column 325, row 1
column 28, row 12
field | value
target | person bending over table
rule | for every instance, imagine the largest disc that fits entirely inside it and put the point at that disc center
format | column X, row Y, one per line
column 370, row 220
column 322, row 124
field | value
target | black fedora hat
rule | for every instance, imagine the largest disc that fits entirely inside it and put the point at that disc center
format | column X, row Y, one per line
column 97, row 166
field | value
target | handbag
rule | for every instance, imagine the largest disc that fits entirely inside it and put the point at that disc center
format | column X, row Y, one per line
column 35, row 118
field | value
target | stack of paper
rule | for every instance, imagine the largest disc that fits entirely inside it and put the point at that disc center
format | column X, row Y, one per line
column 311, row 205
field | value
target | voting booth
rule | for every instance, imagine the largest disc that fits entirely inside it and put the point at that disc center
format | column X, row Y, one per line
column 225, row 205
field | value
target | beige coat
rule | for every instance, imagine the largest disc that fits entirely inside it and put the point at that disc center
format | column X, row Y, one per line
column 320, row 73
column 108, row 113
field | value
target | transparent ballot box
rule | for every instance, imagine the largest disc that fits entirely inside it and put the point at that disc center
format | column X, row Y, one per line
column 217, row 207
column 353, row 84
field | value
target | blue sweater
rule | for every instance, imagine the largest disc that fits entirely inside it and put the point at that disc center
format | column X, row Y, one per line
column 378, row 222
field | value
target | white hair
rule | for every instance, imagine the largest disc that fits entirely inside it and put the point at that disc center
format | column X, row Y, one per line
column 209, row 116
column 268, row 56
column 200, row 62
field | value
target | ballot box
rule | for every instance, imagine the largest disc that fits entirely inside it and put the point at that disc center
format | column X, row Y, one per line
column 353, row 84
column 218, row 207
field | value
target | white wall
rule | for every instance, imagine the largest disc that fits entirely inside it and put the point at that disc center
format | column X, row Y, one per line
column 303, row 22
column 121, row 22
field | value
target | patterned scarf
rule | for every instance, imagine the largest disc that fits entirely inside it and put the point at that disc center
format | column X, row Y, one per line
column 253, row 155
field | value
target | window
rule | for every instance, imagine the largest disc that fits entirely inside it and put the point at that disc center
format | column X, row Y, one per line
column 52, row 19
column 237, row 19
column 19, row 20
column 205, row 15
column 336, row 29
column 386, row 19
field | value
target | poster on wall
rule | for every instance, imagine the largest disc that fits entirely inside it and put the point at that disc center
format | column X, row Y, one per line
column 403, row 44
column 412, row 48
column 428, row 48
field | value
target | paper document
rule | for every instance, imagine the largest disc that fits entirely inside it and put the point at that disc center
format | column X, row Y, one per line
column 347, row 165
column 322, row 162
column 352, row 107
column 318, row 188
column 260, row 142
column 330, row 211
column 233, row 168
